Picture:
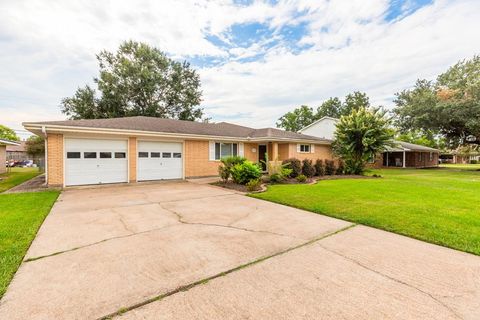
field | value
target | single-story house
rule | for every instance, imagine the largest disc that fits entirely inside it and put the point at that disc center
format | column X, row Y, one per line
column 82, row 152
column 459, row 157
column 3, row 153
column 17, row 152
column 402, row 154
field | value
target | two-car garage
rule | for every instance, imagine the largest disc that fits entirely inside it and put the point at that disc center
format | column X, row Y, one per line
column 100, row 161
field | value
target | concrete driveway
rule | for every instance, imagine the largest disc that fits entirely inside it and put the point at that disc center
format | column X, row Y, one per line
column 187, row 251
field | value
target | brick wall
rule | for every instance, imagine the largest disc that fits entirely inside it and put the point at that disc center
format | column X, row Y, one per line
column 197, row 162
column 132, row 159
column 3, row 158
column 247, row 150
column 55, row 159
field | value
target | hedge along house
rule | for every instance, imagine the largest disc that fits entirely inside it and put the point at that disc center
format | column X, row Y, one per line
column 120, row 150
column 402, row 154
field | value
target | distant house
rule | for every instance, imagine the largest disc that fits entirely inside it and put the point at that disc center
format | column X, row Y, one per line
column 3, row 152
column 17, row 152
column 403, row 154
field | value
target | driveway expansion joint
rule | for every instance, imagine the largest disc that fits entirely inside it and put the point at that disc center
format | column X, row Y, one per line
column 220, row 274
column 358, row 263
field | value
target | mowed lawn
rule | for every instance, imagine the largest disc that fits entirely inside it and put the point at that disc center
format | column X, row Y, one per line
column 441, row 206
column 21, row 214
column 16, row 176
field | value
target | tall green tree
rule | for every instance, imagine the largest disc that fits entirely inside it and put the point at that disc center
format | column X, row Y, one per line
column 332, row 107
column 296, row 119
column 428, row 138
column 138, row 80
column 35, row 146
column 8, row 134
column 360, row 136
column 450, row 105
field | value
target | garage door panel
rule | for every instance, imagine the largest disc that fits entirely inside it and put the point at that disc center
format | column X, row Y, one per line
column 156, row 165
column 80, row 170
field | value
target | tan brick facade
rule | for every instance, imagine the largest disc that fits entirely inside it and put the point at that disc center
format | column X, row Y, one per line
column 132, row 159
column 320, row 151
column 3, row 158
column 248, row 151
column 197, row 162
column 55, row 159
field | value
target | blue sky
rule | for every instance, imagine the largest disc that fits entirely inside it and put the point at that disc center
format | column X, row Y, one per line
column 257, row 59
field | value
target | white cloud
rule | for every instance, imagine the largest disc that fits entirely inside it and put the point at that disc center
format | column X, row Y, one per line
column 47, row 50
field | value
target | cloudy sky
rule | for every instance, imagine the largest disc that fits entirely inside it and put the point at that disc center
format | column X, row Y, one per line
column 257, row 59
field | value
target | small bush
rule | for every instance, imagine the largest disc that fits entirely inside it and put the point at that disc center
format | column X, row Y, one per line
column 276, row 178
column 246, row 171
column 319, row 168
column 253, row 185
column 302, row 178
column 295, row 165
column 286, row 172
column 307, row 168
column 473, row 161
column 227, row 163
column 329, row 167
column 341, row 168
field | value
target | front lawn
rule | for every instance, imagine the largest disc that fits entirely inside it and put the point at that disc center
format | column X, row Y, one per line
column 21, row 214
column 441, row 206
column 16, row 176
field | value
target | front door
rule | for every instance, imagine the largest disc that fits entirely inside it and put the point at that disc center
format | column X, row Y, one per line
column 262, row 156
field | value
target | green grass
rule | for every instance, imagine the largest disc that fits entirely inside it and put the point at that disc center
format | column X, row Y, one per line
column 21, row 214
column 461, row 166
column 440, row 206
column 16, row 176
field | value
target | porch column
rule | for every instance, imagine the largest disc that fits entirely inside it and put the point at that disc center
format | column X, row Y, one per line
column 274, row 151
column 387, row 160
column 404, row 159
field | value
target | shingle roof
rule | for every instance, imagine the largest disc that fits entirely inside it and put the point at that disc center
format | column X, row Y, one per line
column 152, row 124
column 401, row 146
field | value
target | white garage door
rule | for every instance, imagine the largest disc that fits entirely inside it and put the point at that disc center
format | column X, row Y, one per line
column 94, row 161
column 159, row 160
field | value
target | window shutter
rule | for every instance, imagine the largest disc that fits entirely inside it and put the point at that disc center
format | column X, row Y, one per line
column 298, row 147
column 241, row 152
column 211, row 150
column 312, row 148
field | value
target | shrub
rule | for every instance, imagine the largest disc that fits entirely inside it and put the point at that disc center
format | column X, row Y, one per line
column 307, row 168
column 253, row 185
column 301, row 178
column 286, row 172
column 341, row 168
column 246, row 171
column 319, row 168
column 473, row 161
column 227, row 163
column 295, row 165
column 276, row 178
column 329, row 167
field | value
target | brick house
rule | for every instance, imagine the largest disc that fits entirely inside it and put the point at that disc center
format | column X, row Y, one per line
column 402, row 154
column 3, row 153
column 81, row 152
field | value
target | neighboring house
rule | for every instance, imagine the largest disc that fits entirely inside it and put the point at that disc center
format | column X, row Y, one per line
column 403, row 154
column 17, row 152
column 459, row 157
column 81, row 152
column 3, row 153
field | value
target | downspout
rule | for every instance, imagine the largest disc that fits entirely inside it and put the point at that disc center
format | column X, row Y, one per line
column 44, row 131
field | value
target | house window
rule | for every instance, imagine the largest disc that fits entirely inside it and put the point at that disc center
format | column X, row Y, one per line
column 166, row 154
column 225, row 150
column 305, row 148
column 154, row 154
column 73, row 155
column 431, row 156
column 120, row 155
column 372, row 159
column 419, row 156
column 143, row 154
column 105, row 155
column 89, row 155
column 177, row 155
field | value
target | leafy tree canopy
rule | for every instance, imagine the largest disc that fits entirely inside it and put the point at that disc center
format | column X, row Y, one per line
column 8, row 134
column 138, row 80
column 332, row 107
column 428, row 139
column 361, row 135
column 35, row 146
column 450, row 105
